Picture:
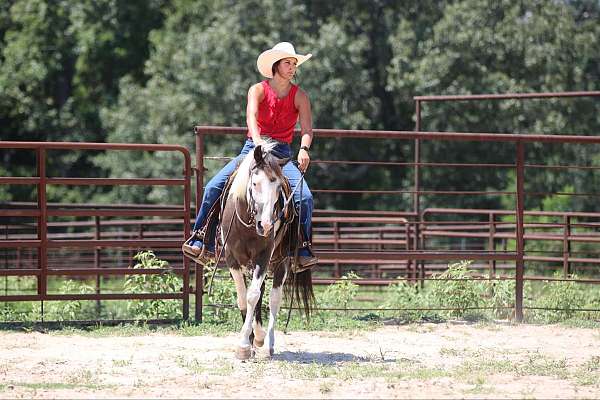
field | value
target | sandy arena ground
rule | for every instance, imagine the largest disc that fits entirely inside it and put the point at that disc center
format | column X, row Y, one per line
column 410, row 361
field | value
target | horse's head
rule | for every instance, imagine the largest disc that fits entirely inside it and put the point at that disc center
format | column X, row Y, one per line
column 264, row 188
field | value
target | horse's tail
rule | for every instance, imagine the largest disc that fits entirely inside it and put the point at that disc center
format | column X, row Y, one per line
column 298, row 289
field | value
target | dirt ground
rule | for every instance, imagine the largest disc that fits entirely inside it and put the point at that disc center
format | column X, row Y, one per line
column 408, row 361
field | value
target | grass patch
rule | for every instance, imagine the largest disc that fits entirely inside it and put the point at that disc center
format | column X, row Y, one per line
column 480, row 388
column 475, row 366
column 329, row 322
column 222, row 367
column 123, row 330
column 121, row 363
column 541, row 365
column 142, row 329
column 344, row 370
column 219, row 366
column 425, row 373
column 475, row 370
column 59, row 385
column 588, row 374
column 581, row 323
column 325, row 387
column 84, row 377
column 193, row 365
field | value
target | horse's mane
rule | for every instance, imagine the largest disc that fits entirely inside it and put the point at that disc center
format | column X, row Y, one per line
column 240, row 182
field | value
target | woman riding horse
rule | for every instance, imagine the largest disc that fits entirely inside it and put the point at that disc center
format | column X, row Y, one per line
column 274, row 107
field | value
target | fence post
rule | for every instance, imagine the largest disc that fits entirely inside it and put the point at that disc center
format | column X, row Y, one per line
column 97, row 263
column 566, row 245
column 520, row 231
column 199, row 193
column 422, row 245
column 42, row 228
column 336, row 246
column 416, row 199
column 492, row 263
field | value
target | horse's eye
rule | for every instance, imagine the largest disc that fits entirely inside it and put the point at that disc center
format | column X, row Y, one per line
column 272, row 179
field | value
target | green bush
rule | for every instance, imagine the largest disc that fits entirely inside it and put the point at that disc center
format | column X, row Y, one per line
column 341, row 294
column 457, row 292
column 402, row 294
column 222, row 293
column 568, row 296
column 166, row 282
column 501, row 297
column 68, row 310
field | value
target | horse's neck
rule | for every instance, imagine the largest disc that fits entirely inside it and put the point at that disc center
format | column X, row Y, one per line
column 241, row 209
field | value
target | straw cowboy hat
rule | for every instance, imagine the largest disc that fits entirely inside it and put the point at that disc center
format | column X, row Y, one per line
column 280, row 51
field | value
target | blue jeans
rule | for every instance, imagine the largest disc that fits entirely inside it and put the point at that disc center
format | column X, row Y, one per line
column 215, row 186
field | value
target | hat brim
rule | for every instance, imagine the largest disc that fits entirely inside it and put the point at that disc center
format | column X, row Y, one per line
column 269, row 57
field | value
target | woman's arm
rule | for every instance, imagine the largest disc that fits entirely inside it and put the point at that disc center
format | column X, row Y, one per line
column 255, row 96
column 302, row 103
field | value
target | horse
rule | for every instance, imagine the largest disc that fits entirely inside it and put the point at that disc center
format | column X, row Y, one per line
column 256, row 238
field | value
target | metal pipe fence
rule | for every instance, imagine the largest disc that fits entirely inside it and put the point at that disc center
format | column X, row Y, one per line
column 43, row 243
column 411, row 244
column 520, row 164
column 415, row 252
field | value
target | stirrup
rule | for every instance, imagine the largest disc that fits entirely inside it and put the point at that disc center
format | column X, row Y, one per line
column 304, row 263
column 189, row 250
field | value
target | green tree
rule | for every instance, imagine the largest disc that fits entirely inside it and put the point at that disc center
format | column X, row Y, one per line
column 60, row 62
column 499, row 47
column 203, row 64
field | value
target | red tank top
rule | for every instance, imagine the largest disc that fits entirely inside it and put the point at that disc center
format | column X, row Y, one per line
column 277, row 117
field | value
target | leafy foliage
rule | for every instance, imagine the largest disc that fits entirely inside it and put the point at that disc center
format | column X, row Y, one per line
column 409, row 303
column 166, row 282
column 458, row 292
column 223, row 295
column 70, row 309
column 340, row 294
column 560, row 299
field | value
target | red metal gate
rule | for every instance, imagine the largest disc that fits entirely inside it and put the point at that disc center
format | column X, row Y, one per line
column 41, row 211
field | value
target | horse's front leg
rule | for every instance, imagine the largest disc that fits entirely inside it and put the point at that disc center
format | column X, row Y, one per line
column 274, row 305
column 240, row 287
column 244, row 350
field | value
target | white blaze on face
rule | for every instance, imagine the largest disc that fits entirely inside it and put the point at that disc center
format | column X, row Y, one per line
column 264, row 192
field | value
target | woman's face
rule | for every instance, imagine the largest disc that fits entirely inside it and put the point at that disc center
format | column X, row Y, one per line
column 287, row 68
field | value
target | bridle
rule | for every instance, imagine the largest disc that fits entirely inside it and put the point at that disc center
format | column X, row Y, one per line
column 251, row 206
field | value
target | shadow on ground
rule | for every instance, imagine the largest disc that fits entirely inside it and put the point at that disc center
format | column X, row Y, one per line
column 323, row 358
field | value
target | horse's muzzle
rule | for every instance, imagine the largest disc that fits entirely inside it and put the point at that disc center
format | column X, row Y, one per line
column 264, row 229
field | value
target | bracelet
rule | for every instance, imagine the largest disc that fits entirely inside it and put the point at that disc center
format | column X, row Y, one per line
column 305, row 148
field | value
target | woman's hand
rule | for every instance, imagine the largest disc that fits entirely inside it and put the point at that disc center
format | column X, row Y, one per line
column 303, row 160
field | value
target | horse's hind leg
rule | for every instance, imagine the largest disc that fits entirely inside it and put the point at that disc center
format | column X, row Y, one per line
column 244, row 350
column 274, row 305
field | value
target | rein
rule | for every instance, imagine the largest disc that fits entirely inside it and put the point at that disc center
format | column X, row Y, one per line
column 287, row 201
column 212, row 276
column 237, row 214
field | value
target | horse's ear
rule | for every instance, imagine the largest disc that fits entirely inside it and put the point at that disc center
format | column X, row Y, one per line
column 283, row 161
column 258, row 155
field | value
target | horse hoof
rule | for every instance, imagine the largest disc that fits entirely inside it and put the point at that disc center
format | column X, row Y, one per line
column 243, row 353
column 258, row 343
